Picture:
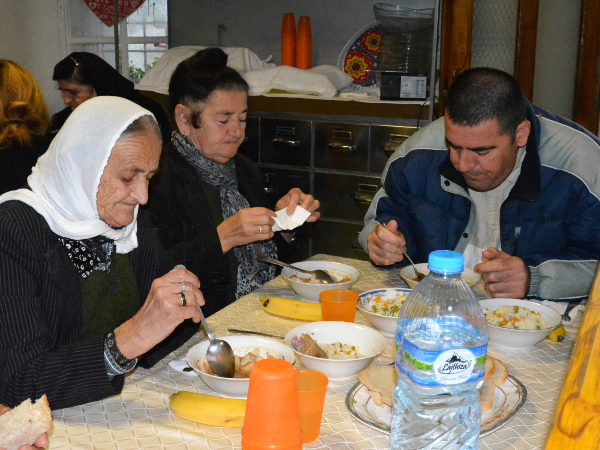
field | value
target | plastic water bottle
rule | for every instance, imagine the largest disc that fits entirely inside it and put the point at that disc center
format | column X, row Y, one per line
column 441, row 344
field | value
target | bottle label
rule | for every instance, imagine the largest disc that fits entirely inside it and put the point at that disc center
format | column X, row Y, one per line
column 440, row 368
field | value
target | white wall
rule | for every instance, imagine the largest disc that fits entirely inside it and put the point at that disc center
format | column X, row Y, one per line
column 29, row 35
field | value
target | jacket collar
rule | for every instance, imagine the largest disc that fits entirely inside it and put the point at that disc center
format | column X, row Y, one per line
column 528, row 185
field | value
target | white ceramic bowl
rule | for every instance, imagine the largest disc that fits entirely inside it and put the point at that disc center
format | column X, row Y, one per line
column 368, row 342
column 234, row 387
column 520, row 339
column 408, row 275
column 309, row 291
column 385, row 324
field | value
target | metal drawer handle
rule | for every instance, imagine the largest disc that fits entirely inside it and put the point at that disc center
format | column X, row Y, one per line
column 341, row 140
column 395, row 141
column 365, row 193
column 285, row 136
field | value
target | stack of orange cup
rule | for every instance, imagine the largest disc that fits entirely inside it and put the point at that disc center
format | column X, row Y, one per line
column 303, row 43
column 288, row 40
column 272, row 415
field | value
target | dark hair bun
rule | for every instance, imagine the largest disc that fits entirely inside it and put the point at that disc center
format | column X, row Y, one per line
column 210, row 57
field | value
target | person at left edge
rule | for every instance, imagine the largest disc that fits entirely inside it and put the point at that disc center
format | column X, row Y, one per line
column 87, row 291
column 24, row 120
column 84, row 75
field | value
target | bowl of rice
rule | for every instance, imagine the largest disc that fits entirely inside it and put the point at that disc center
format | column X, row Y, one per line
column 518, row 324
column 349, row 347
column 309, row 288
column 247, row 349
column 381, row 307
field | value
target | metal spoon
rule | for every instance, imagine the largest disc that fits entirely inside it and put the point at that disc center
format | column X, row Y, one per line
column 319, row 274
column 570, row 307
column 219, row 353
column 419, row 275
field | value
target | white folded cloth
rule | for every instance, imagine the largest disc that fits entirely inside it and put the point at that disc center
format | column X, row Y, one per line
column 157, row 78
column 324, row 81
column 285, row 222
column 180, row 364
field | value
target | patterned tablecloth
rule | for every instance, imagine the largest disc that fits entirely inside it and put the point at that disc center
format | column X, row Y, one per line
column 140, row 416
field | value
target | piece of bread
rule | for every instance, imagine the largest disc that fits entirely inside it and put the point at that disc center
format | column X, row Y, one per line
column 500, row 374
column 381, row 378
column 490, row 368
column 25, row 423
column 498, row 378
column 486, row 396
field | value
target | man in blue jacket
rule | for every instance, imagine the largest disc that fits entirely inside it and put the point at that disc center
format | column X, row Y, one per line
column 511, row 187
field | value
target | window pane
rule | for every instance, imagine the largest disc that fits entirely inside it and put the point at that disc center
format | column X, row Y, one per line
column 152, row 15
column 105, row 51
column 84, row 22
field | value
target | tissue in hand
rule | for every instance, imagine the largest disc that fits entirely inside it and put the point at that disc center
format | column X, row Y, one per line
column 285, row 222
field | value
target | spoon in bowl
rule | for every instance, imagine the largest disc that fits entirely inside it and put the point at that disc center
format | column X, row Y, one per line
column 419, row 275
column 319, row 274
column 219, row 353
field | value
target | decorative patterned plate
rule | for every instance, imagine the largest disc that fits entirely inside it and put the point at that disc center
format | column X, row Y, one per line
column 359, row 58
column 508, row 400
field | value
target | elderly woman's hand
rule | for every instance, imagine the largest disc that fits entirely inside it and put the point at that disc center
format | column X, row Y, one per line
column 248, row 225
column 161, row 313
column 297, row 197
column 40, row 442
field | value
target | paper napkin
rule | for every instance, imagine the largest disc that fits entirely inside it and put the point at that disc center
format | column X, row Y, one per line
column 285, row 222
column 180, row 364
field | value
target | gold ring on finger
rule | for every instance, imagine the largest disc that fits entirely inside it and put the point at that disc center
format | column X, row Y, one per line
column 183, row 299
column 260, row 229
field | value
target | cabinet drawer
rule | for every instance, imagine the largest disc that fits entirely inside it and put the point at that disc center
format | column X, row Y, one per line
column 278, row 182
column 339, row 239
column 342, row 146
column 285, row 141
column 251, row 144
column 345, row 196
column 384, row 141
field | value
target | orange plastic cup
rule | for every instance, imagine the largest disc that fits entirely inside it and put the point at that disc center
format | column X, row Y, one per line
column 338, row 304
column 272, row 416
column 311, row 398
column 288, row 40
column 303, row 43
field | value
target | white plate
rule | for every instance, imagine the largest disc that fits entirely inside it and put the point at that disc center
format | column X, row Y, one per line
column 354, row 45
column 508, row 400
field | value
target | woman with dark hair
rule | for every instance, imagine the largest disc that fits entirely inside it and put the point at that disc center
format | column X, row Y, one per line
column 83, row 75
column 208, row 204
column 24, row 120
column 87, row 290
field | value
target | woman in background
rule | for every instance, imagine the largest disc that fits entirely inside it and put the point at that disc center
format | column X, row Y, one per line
column 83, row 75
column 208, row 204
column 24, row 121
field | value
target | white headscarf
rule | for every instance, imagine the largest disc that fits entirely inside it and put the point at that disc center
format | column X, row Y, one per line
column 64, row 183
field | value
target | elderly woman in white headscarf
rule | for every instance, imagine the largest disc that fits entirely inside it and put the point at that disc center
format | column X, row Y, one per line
column 87, row 291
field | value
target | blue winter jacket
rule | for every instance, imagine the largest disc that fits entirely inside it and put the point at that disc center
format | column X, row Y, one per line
column 551, row 218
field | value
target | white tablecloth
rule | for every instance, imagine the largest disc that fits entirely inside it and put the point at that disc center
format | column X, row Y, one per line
column 140, row 416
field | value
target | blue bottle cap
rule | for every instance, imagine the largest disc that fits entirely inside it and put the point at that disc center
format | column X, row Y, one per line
column 446, row 262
